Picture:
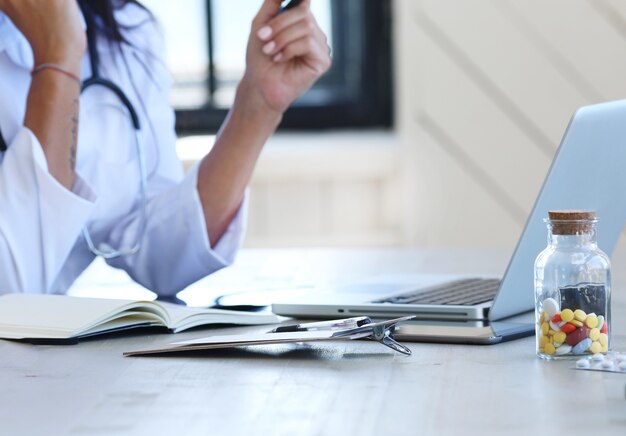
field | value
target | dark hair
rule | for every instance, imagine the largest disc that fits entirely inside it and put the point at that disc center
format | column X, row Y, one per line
column 101, row 14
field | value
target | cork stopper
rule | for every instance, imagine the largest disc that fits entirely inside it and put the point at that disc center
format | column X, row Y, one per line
column 571, row 222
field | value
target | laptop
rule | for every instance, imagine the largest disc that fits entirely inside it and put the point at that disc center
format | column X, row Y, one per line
column 588, row 172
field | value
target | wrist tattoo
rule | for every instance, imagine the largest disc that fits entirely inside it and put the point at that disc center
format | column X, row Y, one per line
column 74, row 131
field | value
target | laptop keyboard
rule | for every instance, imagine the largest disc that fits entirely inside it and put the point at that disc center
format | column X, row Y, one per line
column 463, row 292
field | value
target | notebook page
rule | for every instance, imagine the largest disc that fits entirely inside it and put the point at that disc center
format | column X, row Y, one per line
column 57, row 316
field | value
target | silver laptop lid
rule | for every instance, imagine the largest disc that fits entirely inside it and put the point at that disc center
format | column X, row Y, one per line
column 588, row 172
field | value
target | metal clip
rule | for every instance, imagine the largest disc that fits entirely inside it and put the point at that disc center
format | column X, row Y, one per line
column 383, row 333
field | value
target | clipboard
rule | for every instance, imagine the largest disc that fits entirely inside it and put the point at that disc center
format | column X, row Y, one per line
column 341, row 329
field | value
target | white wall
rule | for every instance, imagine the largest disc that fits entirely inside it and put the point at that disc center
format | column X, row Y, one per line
column 326, row 189
column 484, row 92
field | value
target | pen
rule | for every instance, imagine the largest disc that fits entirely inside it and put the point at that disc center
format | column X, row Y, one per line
column 346, row 323
column 3, row 145
column 288, row 4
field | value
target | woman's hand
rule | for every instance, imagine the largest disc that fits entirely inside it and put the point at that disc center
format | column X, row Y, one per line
column 52, row 27
column 287, row 53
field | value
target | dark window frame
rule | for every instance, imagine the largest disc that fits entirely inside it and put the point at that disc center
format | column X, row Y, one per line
column 355, row 93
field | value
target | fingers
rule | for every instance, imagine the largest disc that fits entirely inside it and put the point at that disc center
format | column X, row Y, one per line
column 279, row 22
column 309, row 49
column 294, row 34
column 269, row 9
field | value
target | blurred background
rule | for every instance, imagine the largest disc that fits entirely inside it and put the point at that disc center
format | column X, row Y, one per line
column 434, row 128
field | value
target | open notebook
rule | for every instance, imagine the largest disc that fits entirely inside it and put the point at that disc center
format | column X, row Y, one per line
column 60, row 317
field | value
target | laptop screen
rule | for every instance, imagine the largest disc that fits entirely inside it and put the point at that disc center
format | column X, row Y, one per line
column 587, row 173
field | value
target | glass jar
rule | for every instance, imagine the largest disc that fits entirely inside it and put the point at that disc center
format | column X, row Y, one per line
column 572, row 289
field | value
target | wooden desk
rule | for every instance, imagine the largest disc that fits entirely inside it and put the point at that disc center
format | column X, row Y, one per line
column 343, row 388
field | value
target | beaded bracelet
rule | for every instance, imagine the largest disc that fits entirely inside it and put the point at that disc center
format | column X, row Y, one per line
column 54, row 67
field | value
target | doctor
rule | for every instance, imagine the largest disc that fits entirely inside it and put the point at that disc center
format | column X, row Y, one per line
column 75, row 183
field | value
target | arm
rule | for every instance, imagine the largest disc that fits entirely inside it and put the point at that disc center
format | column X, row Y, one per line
column 52, row 104
column 41, row 218
column 286, row 54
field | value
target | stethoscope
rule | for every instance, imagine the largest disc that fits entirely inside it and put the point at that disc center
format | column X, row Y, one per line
column 104, row 250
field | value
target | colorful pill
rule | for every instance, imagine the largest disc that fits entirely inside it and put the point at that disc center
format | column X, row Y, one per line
column 605, row 328
column 595, row 347
column 551, row 306
column 577, row 323
column 568, row 328
column 554, row 326
column 594, row 334
column 560, row 337
column 600, row 321
column 556, row 318
column 567, row 315
column 543, row 340
column 549, row 349
column 582, row 346
column 603, row 339
column 580, row 315
column 591, row 321
column 577, row 336
column 545, row 328
column 563, row 349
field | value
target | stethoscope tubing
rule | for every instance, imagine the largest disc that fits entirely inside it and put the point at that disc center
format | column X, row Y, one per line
column 97, row 80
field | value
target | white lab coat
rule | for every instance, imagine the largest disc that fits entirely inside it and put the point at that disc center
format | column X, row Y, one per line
column 41, row 247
